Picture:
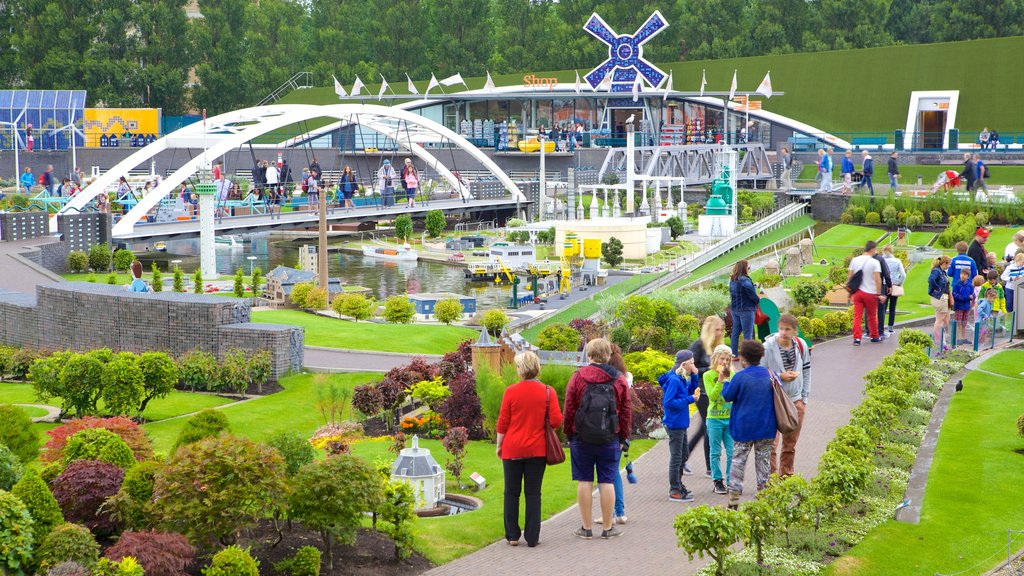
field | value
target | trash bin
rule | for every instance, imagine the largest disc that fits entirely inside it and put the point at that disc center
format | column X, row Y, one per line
column 898, row 139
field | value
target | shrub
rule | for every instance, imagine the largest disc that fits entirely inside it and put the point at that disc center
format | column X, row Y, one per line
column 809, row 292
column 16, row 537
column 687, row 326
column 100, row 257
column 74, row 378
column 122, row 387
column 435, row 223
column 259, row 368
column 710, row 530
column 197, row 281
column 256, row 281
column 68, row 543
column 126, row 567
column 495, row 321
column 17, row 433
column 159, row 376
column 455, row 444
column 819, row 328
column 647, row 365
column 206, row 423
column 233, row 561
column 294, row 449
column 403, row 227
column 396, row 512
column 136, row 492
column 842, row 478
column 448, row 310
column 914, row 336
column 333, row 508
column 158, row 279
column 22, row 360
column 78, row 261
column 846, row 217
column 354, row 305
column 82, row 489
column 123, row 259
column 159, row 553
column 238, row 288
column 644, row 337
column 11, row 469
column 68, row 569
column 462, row 408
column 647, row 408
column 127, row 429
column 858, row 214
column 178, row 284
column 220, row 508
column 621, row 336
column 316, row 299
column 559, row 336
column 872, row 218
column 299, row 293
column 305, row 562
column 368, row 399
column 399, row 310
column 935, row 217
column 611, row 251
column 99, row 444
column 490, row 387
column 198, row 370
column 234, row 371
column 41, row 505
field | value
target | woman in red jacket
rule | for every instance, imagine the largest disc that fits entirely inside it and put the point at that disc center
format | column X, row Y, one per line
column 521, row 445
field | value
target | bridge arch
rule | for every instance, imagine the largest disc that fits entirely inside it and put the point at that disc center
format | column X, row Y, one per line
column 225, row 132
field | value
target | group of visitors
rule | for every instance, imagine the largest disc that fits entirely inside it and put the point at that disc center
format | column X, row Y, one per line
column 975, row 173
column 852, row 178
column 989, row 140
column 408, row 179
column 51, row 184
column 875, row 282
column 567, row 136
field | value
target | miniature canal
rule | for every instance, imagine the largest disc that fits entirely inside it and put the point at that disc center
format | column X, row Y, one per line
column 383, row 278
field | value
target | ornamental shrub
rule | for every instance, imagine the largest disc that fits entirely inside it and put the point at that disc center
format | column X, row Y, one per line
column 354, row 305
column 397, row 516
column 495, row 321
column 710, row 530
column 159, row 376
column 462, row 408
column 100, row 257
column 858, row 213
column 819, row 328
column 17, row 434
column 68, row 569
column 430, row 392
column 644, row 337
column 218, row 509
column 233, row 373
column 78, row 261
column 158, row 279
column 68, row 543
column 872, row 218
column 399, row 310
column 935, row 217
column 435, row 223
column 368, row 400
column 99, row 444
column 305, row 562
column 11, row 469
column 559, row 336
column 82, row 489
column 233, row 561
column 842, row 478
column 448, row 310
column 455, row 444
column 159, row 553
column 403, row 227
column 294, row 449
column 206, row 423
column 16, row 536
column 198, row 370
column 74, row 378
column 123, row 259
column 809, row 292
column 133, row 501
column 333, row 508
column 21, row 361
column 299, row 293
column 41, row 505
column 647, row 365
column 126, row 428
column 914, row 336
column 701, row 303
column 127, row 567
column 846, row 217
column 238, row 288
column 647, row 407
column 122, row 388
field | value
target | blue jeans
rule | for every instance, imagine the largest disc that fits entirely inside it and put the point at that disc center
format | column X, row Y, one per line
column 620, row 502
column 865, row 182
column 892, row 182
column 742, row 323
column 677, row 453
column 718, row 436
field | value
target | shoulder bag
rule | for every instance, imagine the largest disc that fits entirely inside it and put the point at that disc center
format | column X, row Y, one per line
column 554, row 452
column 786, row 418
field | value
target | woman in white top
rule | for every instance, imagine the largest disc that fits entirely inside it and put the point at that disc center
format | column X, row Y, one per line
column 1013, row 271
column 898, row 274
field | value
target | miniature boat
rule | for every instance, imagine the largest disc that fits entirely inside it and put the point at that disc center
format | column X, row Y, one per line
column 401, row 253
column 457, row 257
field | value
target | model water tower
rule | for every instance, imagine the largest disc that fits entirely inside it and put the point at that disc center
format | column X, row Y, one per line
column 417, row 468
column 719, row 218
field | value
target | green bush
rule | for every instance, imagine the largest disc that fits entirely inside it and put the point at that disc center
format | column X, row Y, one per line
column 16, row 537
column 819, row 328
column 558, row 336
column 41, row 505
column 100, row 257
column 127, row 566
column 198, row 370
column 846, row 217
column 233, row 374
column 133, row 499
column 914, row 336
column 316, row 299
column 435, row 223
column 123, row 259
column 859, row 214
column 256, row 281
column 809, row 292
column 396, row 514
column 99, row 444
column 448, row 310
column 197, row 282
column 399, row 310
column 710, row 530
column 490, row 387
column 935, row 217
column 842, row 478
column 68, row 543
column 205, row 424
column 353, row 305
column 305, row 562
column 123, row 384
column 17, row 433
column 238, row 288
column 495, row 321
column 647, row 365
column 78, row 261
column 872, row 218
column 403, row 227
column 294, row 449
column 158, row 278
column 299, row 293
column 644, row 337
column 611, row 251
column 620, row 335
column 11, row 468
column 233, row 561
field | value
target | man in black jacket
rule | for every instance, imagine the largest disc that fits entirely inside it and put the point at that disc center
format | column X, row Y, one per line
column 894, row 171
column 969, row 172
column 976, row 251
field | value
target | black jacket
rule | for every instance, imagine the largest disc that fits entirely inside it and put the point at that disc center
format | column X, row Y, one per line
column 893, row 167
column 977, row 253
column 969, row 173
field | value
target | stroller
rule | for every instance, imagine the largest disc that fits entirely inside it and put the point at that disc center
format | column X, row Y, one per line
column 947, row 180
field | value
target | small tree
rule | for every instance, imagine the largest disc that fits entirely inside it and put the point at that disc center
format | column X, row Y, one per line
column 762, row 520
column 123, row 259
column 16, row 537
column 788, row 496
column 435, row 223
column 123, row 384
column 448, row 310
column 399, row 310
column 396, row 511
column 455, row 443
column 112, row 279
column 159, row 376
column 78, row 261
column 260, row 368
column 334, row 508
column 559, row 336
column 611, row 251
column 710, row 530
column 82, row 488
column 100, row 257
column 234, row 371
column 495, row 321
column 430, row 392
column 675, row 226
column 198, row 370
column 295, row 450
column 239, row 287
column 17, row 433
column 353, row 305
column 41, row 504
column 197, row 281
column 179, row 279
column 299, row 294
column 403, row 227
column 316, row 299
column 158, row 279
column 207, row 423
column 368, row 399
column 257, row 280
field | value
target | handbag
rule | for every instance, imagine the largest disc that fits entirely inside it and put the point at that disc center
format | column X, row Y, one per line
column 759, row 317
column 553, row 453
column 786, row 418
column 896, row 291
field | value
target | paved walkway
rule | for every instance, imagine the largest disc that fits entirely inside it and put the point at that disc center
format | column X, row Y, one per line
column 19, row 275
column 648, row 545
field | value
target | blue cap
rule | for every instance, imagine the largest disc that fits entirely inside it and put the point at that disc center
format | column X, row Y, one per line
column 387, row 162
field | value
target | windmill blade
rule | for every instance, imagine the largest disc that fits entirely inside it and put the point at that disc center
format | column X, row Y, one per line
column 597, row 75
column 655, row 24
column 599, row 29
column 650, row 72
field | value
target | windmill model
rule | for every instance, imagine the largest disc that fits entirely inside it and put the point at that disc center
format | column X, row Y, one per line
column 625, row 64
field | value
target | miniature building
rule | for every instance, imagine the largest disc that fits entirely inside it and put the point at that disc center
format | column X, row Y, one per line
column 282, row 279
column 425, row 302
column 792, row 262
column 416, row 467
column 513, row 255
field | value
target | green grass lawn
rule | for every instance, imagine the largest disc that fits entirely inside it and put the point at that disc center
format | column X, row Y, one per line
column 444, row 539
column 972, row 496
column 335, row 333
column 1008, row 363
column 920, row 238
column 848, row 235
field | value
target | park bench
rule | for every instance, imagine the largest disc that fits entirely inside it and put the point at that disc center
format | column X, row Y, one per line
column 868, row 141
column 803, row 143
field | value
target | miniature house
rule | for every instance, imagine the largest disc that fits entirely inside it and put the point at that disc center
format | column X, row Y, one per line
column 416, row 467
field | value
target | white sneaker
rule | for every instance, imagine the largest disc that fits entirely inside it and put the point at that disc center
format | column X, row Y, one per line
column 620, row 519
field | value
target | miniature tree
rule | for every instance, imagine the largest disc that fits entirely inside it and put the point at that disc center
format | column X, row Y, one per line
column 495, row 321
column 710, row 530
column 257, row 280
column 455, row 443
column 399, row 310
column 611, row 251
column 435, row 223
column 239, row 287
column 448, row 310
column 179, row 279
column 158, row 280
column 197, row 281
column 353, row 305
column 403, row 227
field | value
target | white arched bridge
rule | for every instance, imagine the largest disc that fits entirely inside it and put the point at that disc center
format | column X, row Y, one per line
column 225, row 133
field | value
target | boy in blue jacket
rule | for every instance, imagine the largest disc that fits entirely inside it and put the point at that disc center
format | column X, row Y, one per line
column 963, row 303
column 679, row 389
column 752, row 422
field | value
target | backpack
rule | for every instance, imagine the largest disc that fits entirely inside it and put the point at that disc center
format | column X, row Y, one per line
column 986, row 174
column 597, row 419
column 853, row 284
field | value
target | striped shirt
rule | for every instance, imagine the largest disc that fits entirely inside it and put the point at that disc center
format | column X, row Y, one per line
column 788, row 357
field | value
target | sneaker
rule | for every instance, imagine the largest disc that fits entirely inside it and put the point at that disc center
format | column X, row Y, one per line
column 877, row 340
column 611, row 533
column 856, row 341
column 684, row 496
column 686, row 470
column 720, row 487
column 890, row 330
column 707, row 473
column 584, row 533
column 620, row 519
